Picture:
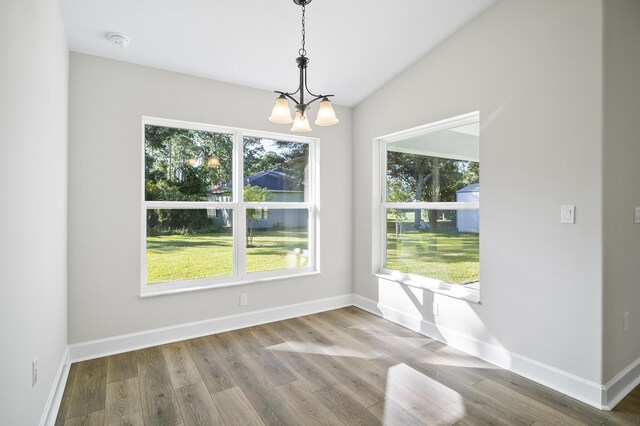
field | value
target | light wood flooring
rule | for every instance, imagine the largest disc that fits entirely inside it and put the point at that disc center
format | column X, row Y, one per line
column 339, row 367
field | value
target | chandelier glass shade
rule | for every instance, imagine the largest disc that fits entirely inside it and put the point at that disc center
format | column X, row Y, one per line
column 281, row 113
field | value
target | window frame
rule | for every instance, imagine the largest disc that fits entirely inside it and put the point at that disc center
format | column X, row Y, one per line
column 238, row 207
column 381, row 205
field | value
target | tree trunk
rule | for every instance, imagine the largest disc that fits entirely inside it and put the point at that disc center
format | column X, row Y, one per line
column 435, row 191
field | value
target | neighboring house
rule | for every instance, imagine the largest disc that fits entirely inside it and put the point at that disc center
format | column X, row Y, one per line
column 282, row 186
column 468, row 220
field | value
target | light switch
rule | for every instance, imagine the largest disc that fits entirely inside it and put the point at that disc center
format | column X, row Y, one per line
column 637, row 215
column 568, row 214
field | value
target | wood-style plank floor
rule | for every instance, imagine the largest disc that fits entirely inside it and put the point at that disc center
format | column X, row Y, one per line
column 339, row 367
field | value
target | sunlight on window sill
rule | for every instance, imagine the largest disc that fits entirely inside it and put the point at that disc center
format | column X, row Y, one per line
column 468, row 292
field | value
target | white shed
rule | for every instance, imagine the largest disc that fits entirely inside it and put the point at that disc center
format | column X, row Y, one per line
column 468, row 220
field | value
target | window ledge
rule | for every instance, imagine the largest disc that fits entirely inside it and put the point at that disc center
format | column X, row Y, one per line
column 468, row 292
column 162, row 289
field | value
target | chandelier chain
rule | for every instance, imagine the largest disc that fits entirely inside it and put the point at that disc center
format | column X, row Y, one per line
column 303, row 52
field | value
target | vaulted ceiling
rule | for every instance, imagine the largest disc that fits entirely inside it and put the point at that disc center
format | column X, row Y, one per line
column 354, row 46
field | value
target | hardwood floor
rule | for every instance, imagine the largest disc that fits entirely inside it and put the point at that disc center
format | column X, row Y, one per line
column 339, row 367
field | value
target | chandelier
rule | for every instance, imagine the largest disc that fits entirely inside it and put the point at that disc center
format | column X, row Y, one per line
column 281, row 113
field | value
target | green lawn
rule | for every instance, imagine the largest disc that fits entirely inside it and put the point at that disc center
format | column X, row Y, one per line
column 184, row 257
column 447, row 256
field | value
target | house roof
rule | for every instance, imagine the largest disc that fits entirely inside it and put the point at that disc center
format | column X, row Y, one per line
column 474, row 187
column 273, row 180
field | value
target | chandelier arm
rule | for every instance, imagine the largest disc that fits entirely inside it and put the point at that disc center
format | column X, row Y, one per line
column 289, row 95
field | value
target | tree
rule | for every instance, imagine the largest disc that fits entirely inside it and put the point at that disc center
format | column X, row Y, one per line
column 396, row 192
column 429, row 178
column 255, row 193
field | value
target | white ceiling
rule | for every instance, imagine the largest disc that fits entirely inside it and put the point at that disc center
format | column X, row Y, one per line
column 354, row 46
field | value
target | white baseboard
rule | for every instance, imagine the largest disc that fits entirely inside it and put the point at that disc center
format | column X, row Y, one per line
column 620, row 386
column 144, row 339
column 55, row 395
column 569, row 384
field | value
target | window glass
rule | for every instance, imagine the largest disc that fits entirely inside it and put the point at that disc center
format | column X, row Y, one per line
column 187, row 165
column 187, row 244
column 430, row 205
column 275, row 171
column 448, row 252
column 277, row 239
column 431, row 167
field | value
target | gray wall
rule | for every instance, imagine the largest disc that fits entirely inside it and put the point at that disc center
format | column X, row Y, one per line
column 33, row 212
column 107, row 100
column 533, row 69
column 621, row 184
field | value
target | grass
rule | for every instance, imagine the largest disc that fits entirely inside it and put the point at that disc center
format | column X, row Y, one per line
column 447, row 256
column 186, row 257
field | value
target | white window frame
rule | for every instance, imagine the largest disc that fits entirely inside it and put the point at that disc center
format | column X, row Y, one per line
column 238, row 207
column 467, row 292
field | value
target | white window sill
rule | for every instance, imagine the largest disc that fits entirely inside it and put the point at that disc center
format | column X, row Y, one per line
column 161, row 289
column 468, row 292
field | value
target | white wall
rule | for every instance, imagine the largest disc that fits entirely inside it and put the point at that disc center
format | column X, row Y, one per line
column 33, row 211
column 534, row 70
column 621, row 184
column 107, row 101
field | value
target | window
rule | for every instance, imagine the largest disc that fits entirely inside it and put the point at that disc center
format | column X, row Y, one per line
column 225, row 206
column 429, row 210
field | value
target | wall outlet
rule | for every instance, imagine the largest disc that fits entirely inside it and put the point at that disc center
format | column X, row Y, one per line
column 625, row 323
column 243, row 299
column 637, row 216
column 34, row 371
column 435, row 309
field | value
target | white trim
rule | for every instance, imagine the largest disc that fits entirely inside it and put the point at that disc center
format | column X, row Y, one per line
column 567, row 383
column 144, row 339
column 57, row 390
column 433, row 205
column 620, row 386
column 446, row 124
column 405, row 150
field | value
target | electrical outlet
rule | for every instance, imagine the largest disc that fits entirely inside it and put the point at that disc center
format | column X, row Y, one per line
column 637, row 215
column 34, row 371
column 243, row 299
column 625, row 325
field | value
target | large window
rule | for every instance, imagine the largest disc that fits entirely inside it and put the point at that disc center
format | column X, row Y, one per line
column 225, row 206
column 429, row 211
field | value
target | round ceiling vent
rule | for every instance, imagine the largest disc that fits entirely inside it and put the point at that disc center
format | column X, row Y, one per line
column 118, row 40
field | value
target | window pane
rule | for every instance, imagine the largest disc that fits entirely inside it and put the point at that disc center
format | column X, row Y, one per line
column 275, row 170
column 439, row 244
column 185, row 244
column 277, row 239
column 433, row 167
column 187, row 165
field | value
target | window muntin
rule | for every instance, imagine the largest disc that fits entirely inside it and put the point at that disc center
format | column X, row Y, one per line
column 197, row 223
column 430, row 203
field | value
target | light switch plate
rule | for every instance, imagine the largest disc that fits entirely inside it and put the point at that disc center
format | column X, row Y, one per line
column 637, row 215
column 568, row 214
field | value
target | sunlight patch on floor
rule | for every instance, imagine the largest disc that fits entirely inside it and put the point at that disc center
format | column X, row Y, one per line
column 426, row 399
